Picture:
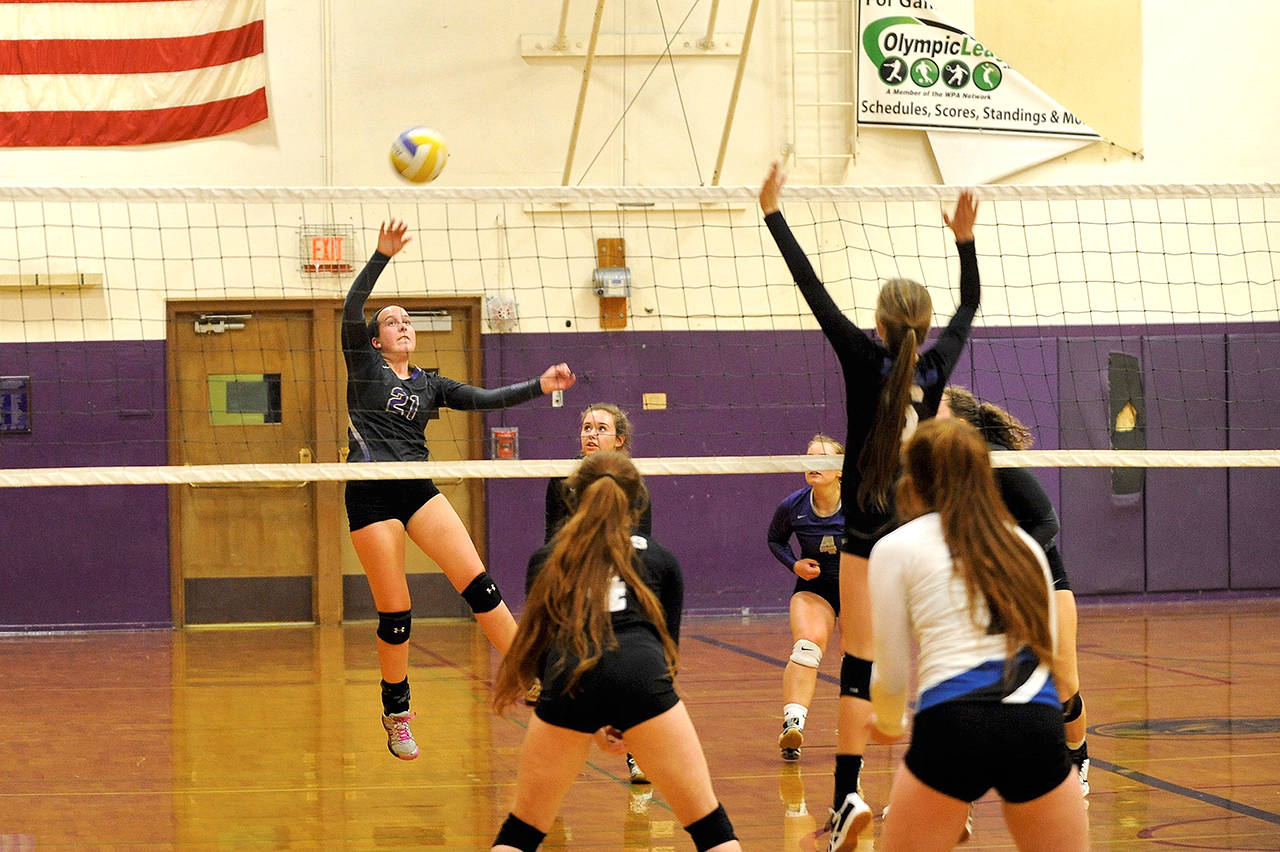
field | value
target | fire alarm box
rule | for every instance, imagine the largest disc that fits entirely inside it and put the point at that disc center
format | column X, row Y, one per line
column 505, row 441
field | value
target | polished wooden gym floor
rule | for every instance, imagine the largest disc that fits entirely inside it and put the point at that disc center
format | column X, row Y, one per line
column 269, row 738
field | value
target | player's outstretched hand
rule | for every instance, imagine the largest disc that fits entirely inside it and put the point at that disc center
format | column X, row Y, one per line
column 961, row 221
column 772, row 187
column 557, row 377
column 391, row 237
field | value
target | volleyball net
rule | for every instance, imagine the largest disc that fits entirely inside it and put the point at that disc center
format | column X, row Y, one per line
column 160, row 328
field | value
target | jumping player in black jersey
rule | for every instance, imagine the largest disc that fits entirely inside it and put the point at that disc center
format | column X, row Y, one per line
column 1031, row 508
column 390, row 401
column 813, row 514
column 600, row 630
column 888, row 389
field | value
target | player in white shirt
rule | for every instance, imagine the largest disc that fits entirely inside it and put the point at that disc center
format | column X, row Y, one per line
column 974, row 593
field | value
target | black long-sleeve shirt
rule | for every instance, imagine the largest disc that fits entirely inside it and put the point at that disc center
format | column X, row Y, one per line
column 866, row 363
column 389, row 414
column 1031, row 508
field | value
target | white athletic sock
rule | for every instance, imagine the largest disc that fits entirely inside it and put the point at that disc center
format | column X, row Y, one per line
column 795, row 713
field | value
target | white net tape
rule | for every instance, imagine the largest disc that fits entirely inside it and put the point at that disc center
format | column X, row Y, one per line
column 228, row 474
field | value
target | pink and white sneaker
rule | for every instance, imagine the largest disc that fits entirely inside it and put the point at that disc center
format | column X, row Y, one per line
column 400, row 740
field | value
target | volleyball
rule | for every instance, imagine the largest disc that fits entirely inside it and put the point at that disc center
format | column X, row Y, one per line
column 419, row 154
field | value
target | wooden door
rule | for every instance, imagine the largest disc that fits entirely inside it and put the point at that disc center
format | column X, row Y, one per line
column 244, row 391
column 448, row 340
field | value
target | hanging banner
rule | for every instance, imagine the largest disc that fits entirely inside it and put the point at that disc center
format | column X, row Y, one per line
column 918, row 71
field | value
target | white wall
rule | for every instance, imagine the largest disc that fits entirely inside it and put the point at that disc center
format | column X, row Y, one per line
column 457, row 66
column 1107, row 258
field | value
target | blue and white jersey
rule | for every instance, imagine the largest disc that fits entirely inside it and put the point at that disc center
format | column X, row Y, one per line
column 820, row 536
column 916, row 595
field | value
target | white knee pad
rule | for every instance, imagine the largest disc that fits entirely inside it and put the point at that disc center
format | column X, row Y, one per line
column 806, row 653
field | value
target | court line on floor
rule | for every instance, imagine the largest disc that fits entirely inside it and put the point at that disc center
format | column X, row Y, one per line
column 1094, row 763
column 1178, row 789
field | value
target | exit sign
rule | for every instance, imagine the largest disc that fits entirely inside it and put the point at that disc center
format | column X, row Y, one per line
column 327, row 250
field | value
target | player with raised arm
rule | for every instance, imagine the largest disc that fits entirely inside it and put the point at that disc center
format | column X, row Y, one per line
column 390, row 401
column 888, row 389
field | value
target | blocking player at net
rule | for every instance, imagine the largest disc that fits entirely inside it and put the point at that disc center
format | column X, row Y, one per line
column 963, row 583
column 390, row 401
column 600, row 629
column 888, row 389
column 1030, row 506
column 813, row 515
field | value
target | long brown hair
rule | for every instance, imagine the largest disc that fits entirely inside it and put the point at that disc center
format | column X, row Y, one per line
column 904, row 312
column 948, row 470
column 996, row 425
column 568, row 605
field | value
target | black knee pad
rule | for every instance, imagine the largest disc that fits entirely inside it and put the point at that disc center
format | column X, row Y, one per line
column 482, row 594
column 1072, row 708
column 712, row 830
column 855, row 677
column 394, row 627
column 518, row 833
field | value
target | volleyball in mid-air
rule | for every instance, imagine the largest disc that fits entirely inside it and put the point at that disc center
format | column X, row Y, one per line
column 419, row 154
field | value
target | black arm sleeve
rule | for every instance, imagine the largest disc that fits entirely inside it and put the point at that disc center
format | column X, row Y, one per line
column 671, row 593
column 531, row 571
column 840, row 331
column 462, row 397
column 1028, row 503
column 355, row 335
column 953, row 337
column 780, row 538
column 556, row 510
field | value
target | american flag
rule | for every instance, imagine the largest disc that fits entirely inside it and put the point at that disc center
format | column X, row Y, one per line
column 127, row 72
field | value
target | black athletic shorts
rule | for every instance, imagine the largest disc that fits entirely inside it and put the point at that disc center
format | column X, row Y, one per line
column 964, row 748
column 629, row 685
column 1057, row 569
column 372, row 500
column 862, row 529
column 825, row 586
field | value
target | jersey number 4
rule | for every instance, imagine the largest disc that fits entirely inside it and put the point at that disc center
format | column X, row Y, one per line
column 403, row 403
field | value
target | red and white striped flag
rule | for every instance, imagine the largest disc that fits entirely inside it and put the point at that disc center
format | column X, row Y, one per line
column 127, row 72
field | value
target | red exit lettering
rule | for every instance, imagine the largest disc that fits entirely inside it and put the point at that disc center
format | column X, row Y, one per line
column 326, row 249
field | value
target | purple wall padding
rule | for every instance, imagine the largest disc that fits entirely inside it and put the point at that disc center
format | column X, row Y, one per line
column 1186, row 510
column 736, row 394
column 1103, row 543
column 1254, row 417
column 1021, row 375
column 88, row 556
column 98, row 557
